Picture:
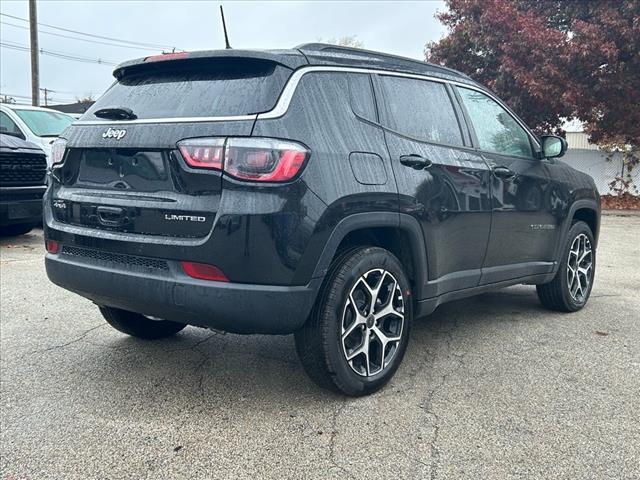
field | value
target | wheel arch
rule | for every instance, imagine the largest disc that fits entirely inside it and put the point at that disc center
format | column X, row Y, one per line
column 587, row 210
column 590, row 217
column 401, row 234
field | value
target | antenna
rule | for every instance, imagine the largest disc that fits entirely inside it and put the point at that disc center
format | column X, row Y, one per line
column 224, row 27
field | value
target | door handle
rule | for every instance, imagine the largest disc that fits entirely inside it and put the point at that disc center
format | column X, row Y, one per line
column 415, row 161
column 110, row 216
column 503, row 172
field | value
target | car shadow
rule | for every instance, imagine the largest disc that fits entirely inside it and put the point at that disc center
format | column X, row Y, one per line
column 31, row 239
column 208, row 370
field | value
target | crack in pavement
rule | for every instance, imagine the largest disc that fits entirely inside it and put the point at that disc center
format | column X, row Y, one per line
column 206, row 357
column 332, row 439
column 427, row 404
column 70, row 342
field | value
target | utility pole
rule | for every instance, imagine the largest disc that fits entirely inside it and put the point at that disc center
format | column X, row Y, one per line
column 46, row 92
column 7, row 99
column 35, row 67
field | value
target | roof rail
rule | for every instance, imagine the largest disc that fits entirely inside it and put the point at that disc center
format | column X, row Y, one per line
column 327, row 47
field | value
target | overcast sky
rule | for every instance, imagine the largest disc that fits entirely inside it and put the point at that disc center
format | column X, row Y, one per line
column 398, row 27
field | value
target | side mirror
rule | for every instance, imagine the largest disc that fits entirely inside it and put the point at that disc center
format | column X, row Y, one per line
column 553, row 146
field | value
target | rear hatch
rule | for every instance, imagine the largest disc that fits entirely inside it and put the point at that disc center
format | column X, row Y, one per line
column 123, row 172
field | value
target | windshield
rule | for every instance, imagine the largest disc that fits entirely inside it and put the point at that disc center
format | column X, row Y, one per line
column 43, row 123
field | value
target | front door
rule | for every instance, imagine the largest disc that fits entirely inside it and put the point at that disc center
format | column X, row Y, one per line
column 523, row 227
column 441, row 180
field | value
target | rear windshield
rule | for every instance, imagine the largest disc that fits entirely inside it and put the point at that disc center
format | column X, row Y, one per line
column 228, row 87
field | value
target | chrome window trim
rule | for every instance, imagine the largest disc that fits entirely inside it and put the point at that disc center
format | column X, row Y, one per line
column 108, row 123
column 286, row 96
column 282, row 105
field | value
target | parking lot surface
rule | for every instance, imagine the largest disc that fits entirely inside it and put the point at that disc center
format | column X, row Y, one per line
column 491, row 387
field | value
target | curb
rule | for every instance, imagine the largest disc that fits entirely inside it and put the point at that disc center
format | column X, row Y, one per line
column 621, row 213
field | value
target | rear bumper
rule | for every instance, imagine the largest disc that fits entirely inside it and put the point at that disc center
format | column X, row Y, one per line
column 172, row 295
column 21, row 205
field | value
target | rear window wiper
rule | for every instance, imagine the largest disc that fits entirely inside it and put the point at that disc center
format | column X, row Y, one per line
column 116, row 113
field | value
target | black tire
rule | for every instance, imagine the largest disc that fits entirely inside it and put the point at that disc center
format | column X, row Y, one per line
column 320, row 344
column 15, row 230
column 138, row 325
column 556, row 294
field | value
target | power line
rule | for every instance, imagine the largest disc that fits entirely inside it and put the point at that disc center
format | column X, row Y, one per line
column 57, row 98
column 65, row 94
column 52, row 53
column 19, row 97
column 92, row 93
column 86, row 92
column 65, row 56
column 142, row 44
column 13, row 95
column 28, row 96
column 80, row 39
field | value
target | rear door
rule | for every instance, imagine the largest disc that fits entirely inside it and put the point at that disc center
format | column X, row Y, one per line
column 523, row 226
column 129, row 176
column 441, row 181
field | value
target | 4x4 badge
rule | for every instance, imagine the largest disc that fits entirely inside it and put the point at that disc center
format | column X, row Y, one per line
column 114, row 133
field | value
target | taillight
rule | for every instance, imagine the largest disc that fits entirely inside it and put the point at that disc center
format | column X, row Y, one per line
column 58, row 148
column 203, row 271
column 203, row 152
column 245, row 158
column 263, row 159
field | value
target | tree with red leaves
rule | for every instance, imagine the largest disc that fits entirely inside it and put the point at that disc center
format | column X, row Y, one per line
column 552, row 59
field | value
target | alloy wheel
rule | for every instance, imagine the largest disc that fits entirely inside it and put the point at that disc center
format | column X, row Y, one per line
column 579, row 268
column 372, row 322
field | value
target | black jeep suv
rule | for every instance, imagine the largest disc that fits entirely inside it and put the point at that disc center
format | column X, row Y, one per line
column 23, row 175
column 329, row 192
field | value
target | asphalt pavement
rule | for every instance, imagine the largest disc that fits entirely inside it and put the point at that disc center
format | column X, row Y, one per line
column 493, row 387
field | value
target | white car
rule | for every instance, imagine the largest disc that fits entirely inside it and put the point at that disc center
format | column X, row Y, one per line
column 34, row 124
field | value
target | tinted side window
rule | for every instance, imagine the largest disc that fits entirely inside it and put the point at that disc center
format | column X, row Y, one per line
column 361, row 95
column 8, row 125
column 420, row 109
column 496, row 129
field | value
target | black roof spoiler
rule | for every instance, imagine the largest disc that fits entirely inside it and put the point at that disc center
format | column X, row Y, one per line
column 288, row 58
column 306, row 54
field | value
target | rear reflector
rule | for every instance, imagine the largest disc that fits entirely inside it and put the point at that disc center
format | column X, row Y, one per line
column 52, row 246
column 254, row 159
column 204, row 271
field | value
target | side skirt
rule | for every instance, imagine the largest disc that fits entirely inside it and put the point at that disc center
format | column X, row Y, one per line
column 427, row 306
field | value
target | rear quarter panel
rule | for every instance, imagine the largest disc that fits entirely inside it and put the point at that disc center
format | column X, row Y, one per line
column 321, row 117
